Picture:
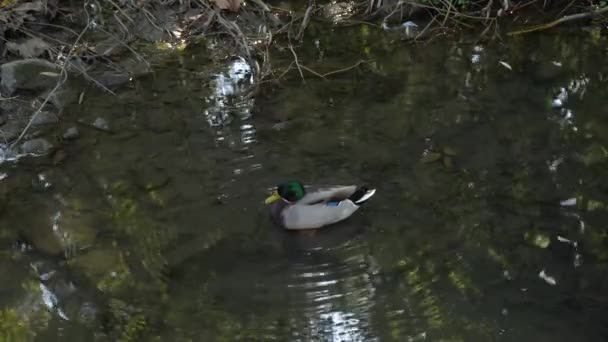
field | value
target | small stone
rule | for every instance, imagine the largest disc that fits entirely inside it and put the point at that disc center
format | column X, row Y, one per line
column 37, row 146
column 71, row 133
column 101, row 124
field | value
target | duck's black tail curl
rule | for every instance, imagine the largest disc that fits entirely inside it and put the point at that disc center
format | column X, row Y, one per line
column 361, row 195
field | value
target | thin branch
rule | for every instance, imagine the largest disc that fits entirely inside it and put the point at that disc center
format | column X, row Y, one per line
column 311, row 71
column 564, row 19
column 420, row 34
column 121, row 11
column 64, row 78
column 343, row 70
column 295, row 59
column 305, row 21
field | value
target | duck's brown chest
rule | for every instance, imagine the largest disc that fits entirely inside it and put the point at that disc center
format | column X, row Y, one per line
column 276, row 211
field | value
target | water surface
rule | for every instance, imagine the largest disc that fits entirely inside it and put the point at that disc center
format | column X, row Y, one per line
column 488, row 224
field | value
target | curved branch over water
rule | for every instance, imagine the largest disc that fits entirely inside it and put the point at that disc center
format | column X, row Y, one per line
column 561, row 20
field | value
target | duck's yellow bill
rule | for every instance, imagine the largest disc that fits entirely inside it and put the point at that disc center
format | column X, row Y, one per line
column 275, row 196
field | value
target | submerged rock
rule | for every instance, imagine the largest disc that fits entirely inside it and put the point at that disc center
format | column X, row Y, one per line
column 111, row 79
column 144, row 28
column 45, row 118
column 545, row 71
column 28, row 74
column 110, row 47
column 158, row 121
column 10, row 131
column 59, row 231
column 62, row 97
column 37, row 146
column 150, row 178
column 101, row 124
column 71, row 133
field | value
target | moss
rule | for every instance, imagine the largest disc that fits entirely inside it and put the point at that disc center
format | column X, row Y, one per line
column 13, row 328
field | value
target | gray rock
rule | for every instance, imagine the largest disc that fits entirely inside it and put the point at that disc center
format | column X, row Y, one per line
column 101, row 124
column 109, row 47
column 45, row 118
column 71, row 133
column 61, row 98
column 112, row 79
column 10, row 131
column 38, row 146
column 2, row 119
column 136, row 67
column 146, row 30
column 28, row 74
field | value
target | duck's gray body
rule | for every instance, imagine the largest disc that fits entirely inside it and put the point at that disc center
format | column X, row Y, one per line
column 315, row 210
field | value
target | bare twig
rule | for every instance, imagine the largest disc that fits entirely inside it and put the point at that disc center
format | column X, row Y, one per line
column 398, row 7
column 65, row 28
column 262, row 5
column 566, row 8
column 447, row 14
column 559, row 21
column 488, row 9
column 150, row 16
column 88, row 77
column 343, row 70
column 236, row 33
column 423, row 31
column 305, row 20
column 312, row 72
column 137, row 55
column 121, row 11
column 60, row 82
column 122, row 25
column 295, row 59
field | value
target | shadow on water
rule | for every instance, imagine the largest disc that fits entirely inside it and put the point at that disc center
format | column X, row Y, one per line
column 488, row 223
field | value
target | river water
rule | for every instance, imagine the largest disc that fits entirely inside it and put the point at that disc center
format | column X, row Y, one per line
column 489, row 223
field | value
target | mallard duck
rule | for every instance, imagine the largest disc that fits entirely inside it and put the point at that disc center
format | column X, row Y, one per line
column 296, row 209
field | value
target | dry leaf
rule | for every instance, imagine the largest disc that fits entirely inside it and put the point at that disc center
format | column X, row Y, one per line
column 50, row 74
column 505, row 64
column 231, row 5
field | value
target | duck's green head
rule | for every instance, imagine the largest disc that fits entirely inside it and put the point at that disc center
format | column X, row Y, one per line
column 291, row 191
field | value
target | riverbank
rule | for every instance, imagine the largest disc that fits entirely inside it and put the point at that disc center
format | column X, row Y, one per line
column 53, row 51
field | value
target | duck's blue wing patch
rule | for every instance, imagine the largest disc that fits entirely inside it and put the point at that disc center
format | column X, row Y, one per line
column 332, row 203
